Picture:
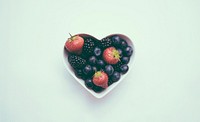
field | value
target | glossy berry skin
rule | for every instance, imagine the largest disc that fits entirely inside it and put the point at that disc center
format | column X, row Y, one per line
column 88, row 70
column 89, row 84
column 97, row 51
column 111, row 55
column 116, row 41
column 100, row 63
column 100, row 79
column 109, row 70
column 92, row 60
column 125, row 60
column 115, row 77
column 124, row 68
column 128, row 51
column 75, row 44
column 124, row 44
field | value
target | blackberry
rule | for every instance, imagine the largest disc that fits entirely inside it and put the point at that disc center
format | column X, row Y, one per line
column 105, row 42
column 117, row 66
column 88, row 47
column 76, row 61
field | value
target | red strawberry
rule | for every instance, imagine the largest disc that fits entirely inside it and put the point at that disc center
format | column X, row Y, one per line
column 111, row 55
column 74, row 44
column 100, row 79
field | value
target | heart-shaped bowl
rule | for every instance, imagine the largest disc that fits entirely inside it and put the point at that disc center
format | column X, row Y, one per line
column 111, row 87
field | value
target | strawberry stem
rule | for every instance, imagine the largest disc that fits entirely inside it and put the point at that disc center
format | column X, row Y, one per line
column 70, row 35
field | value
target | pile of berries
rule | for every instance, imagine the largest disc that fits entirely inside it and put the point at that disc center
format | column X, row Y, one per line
column 100, row 63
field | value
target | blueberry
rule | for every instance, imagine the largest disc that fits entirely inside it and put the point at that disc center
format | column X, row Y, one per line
column 120, row 52
column 109, row 70
column 92, row 60
column 97, row 51
column 124, row 68
column 100, row 63
column 95, row 69
column 89, row 84
column 124, row 44
column 125, row 60
column 79, row 73
column 97, row 88
column 88, row 70
column 115, row 77
column 116, row 41
column 128, row 51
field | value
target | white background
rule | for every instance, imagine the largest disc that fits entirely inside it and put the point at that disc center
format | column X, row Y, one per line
column 163, row 86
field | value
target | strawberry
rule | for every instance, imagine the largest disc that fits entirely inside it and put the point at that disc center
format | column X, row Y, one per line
column 74, row 44
column 111, row 55
column 100, row 78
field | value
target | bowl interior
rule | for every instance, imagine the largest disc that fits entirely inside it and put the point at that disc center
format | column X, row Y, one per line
column 111, row 87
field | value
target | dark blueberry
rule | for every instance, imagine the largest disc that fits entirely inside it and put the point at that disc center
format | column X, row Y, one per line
column 109, row 70
column 89, row 84
column 116, row 41
column 128, row 51
column 95, row 69
column 125, row 60
column 97, row 51
column 97, row 89
column 124, row 68
column 88, row 70
column 79, row 73
column 120, row 52
column 100, row 63
column 92, row 60
column 115, row 77
column 124, row 44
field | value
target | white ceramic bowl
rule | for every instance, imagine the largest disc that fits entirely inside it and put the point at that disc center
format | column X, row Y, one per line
column 111, row 87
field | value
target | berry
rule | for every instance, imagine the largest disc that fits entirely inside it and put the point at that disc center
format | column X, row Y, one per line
column 116, row 41
column 76, row 61
column 74, row 44
column 95, row 69
column 100, row 79
column 89, row 84
column 117, row 66
column 120, row 52
column 79, row 73
column 100, row 63
column 125, row 60
column 128, row 51
column 88, row 70
column 88, row 47
column 109, row 70
column 97, row 88
column 97, row 51
column 92, row 60
column 105, row 42
column 111, row 55
column 124, row 68
column 115, row 77
column 124, row 44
